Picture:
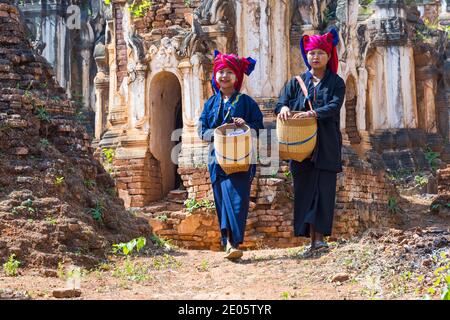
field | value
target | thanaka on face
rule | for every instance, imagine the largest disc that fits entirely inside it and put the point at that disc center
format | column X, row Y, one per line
column 226, row 79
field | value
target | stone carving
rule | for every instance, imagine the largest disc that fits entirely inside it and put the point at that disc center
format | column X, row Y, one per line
column 196, row 41
column 389, row 31
column 214, row 11
column 165, row 55
column 135, row 42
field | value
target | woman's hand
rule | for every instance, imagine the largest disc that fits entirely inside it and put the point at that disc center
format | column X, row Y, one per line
column 304, row 115
column 284, row 114
column 238, row 121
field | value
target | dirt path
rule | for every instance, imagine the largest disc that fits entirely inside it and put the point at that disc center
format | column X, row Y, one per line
column 381, row 264
column 183, row 274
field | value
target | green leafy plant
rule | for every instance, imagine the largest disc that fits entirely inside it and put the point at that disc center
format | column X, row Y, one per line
column 285, row 295
column 392, row 205
column 203, row 266
column 446, row 292
column 274, row 174
column 440, row 283
column 288, row 175
column 27, row 94
column 128, row 247
column 421, row 180
column 365, row 3
column 192, row 204
column 89, row 183
column 163, row 243
column 162, row 217
column 97, row 212
column 59, row 180
column 400, row 174
column 26, row 205
column 187, row 3
column 139, row 8
column 166, row 262
column 10, row 267
column 432, row 158
column 51, row 220
column 44, row 142
column 108, row 154
column 43, row 114
column 132, row 271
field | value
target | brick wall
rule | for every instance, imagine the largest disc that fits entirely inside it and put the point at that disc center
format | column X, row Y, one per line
column 166, row 13
column 138, row 180
column 362, row 202
column 121, row 47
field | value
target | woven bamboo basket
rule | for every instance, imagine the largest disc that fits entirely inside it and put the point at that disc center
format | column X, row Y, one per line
column 297, row 138
column 233, row 152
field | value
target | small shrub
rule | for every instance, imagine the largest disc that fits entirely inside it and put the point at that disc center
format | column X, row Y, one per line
column 10, row 267
column 97, row 212
column 128, row 247
column 108, row 154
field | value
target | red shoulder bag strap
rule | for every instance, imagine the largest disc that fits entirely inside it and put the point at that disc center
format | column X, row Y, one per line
column 305, row 91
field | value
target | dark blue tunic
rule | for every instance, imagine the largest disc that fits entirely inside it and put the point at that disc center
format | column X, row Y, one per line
column 231, row 192
column 315, row 178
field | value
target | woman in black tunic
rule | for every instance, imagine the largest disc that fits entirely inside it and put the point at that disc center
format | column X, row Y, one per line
column 315, row 177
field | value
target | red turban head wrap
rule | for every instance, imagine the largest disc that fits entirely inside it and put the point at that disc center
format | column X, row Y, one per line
column 239, row 66
column 327, row 42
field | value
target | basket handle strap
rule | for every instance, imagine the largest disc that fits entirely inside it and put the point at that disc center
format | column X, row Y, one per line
column 305, row 91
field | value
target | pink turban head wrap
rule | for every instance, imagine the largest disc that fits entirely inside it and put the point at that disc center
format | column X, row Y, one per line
column 239, row 66
column 326, row 42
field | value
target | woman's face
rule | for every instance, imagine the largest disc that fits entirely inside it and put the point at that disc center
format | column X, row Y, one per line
column 225, row 78
column 317, row 58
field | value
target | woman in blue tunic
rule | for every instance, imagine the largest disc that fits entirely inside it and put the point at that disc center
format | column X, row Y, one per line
column 228, row 105
column 315, row 177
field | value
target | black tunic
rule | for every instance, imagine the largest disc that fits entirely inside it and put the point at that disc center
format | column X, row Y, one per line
column 315, row 178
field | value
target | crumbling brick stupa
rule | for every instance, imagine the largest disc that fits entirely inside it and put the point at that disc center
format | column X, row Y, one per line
column 57, row 204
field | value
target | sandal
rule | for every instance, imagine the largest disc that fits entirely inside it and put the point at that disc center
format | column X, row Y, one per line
column 233, row 253
column 320, row 245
